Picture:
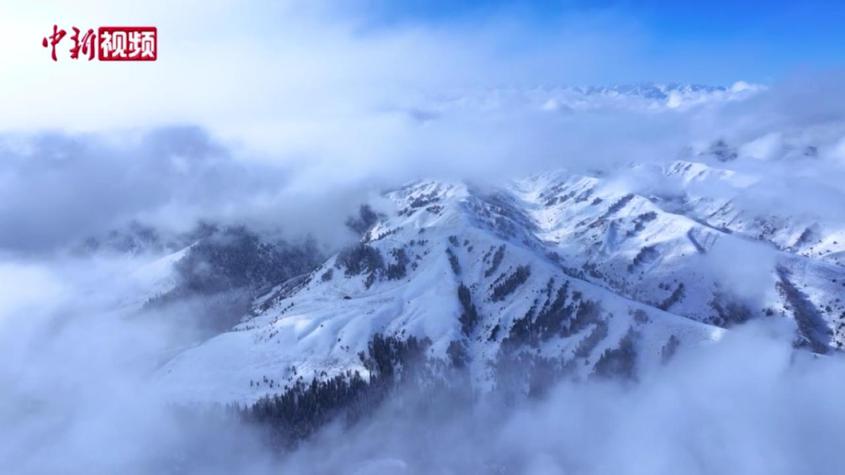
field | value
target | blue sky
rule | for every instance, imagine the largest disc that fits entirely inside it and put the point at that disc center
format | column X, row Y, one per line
column 270, row 65
column 701, row 41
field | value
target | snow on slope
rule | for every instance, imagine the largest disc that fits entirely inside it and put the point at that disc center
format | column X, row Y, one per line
column 404, row 279
column 805, row 235
column 558, row 266
column 561, row 266
column 672, row 252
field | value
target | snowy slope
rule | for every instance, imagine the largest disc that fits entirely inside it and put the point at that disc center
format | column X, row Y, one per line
column 804, row 235
column 404, row 279
column 558, row 266
column 674, row 253
column 569, row 268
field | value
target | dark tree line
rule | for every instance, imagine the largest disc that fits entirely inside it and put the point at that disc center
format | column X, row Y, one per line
column 362, row 259
column 619, row 362
column 509, row 283
column 729, row 310
column 305, row 407
column 364, row 221
column 497, row 260
column 234, row 257
column 227, row 267
column 812, row 328
column 469, row 315
column 676, row 296
column 453, row 261
column 398, row 269
column 562, row 316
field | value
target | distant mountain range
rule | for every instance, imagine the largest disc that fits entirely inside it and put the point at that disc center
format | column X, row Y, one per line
column 640, row 97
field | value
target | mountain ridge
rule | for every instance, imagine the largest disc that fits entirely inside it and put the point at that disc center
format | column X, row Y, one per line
column 432, row 268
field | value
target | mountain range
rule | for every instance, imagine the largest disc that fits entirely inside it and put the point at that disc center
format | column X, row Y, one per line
column 569, row 274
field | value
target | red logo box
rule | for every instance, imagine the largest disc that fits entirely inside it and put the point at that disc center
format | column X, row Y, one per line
column 127, row 43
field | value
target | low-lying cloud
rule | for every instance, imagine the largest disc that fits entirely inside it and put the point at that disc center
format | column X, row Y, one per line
column 327, row 112
column 59, row 187
column 747, row 404
column 78, row 397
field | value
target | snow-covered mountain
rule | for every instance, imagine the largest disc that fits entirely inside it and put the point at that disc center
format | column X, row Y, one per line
column 636, row 97
column 577, row 273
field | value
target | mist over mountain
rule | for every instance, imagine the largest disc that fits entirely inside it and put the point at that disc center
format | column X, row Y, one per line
column 424, row 237
column 438, row 318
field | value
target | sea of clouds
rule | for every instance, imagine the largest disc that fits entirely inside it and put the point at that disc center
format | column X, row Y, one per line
column 287, row 119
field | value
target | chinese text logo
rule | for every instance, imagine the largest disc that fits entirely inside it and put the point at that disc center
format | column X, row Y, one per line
column 110, row 43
